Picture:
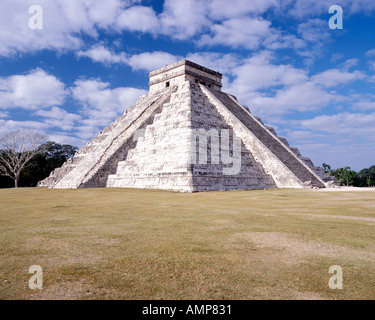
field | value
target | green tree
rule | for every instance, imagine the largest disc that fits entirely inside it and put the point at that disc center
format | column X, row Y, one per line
column 345, row 176
column 327, row 169
column 51, row 155
column 366, row 177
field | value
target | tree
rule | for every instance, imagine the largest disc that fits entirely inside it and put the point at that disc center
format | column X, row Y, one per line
column 349, row 177
column 367, row 177
column 345, row 176
column 18, row 148
column 327, row 169
column 51, row 155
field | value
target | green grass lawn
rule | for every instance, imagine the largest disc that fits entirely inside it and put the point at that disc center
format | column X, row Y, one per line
column 148, row 244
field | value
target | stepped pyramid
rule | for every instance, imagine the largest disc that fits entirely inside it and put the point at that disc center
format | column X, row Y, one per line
column 187, row 135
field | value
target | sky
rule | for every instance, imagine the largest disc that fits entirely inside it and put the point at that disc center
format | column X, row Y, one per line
column 68, row 68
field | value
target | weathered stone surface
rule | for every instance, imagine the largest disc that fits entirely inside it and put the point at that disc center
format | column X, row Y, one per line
column 187, row 135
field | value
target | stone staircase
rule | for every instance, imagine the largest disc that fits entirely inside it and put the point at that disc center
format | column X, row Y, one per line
column 278, row 146
column 210, row 177
column 160, row 158
column 89, row 166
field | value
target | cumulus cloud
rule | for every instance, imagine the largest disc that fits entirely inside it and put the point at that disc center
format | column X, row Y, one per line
column 183, row 19
column 138, row 18
column 370, row 53
column 67, row 22
column 100, row 102
column 340, row 139
column 143, row 61
column 44, row 95
column 258, row 72
column 314, row 36
column 223, row 9
column 4, row 114
column 335, row 77
column 217, row 61
column 36, row 89
column 11, row 125
column 240, row 32
column 59, row 118
column 350, row 63
column 64, row 138
column 256, row 32
column 344, row 127
column 364, row 104
column 64, row 23
column 304, row 97
column 150, row 61
column 100, row 53
column 301, row 9
column 277, row 89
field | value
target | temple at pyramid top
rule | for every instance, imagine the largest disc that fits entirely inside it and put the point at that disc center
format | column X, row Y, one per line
column 181, row 71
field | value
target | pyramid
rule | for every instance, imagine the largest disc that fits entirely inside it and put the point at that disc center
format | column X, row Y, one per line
column 187, row 135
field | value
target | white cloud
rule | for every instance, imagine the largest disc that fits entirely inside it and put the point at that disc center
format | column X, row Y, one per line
column 11, row 125
column 335, row 77
column 4, row 114
column 143, row 61
column 364, row 105
column 372, row 65
column 239, row 32
column 182, row 19
column 350, row 63
column 64, row 138
column 37, row 89
column 274, row 90
column 57, row 117
column 315, row 36
column 370, row 53
column 302, row 8
column 254, row 32
column 138, row 18
column 150, row 61
column 259, row 73
column 364, row 6
column 221, row 62
column 101, row 104
column 302, row 97
column 99, row 53
column 64, row 23
column 59, row 23
column 342, row 139
column 223, row 9
column 67, row 22
column 348, row 124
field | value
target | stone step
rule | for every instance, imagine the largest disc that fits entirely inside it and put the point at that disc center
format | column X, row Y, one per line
column 271, row 142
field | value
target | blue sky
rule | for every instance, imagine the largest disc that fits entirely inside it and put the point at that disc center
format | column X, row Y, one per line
column 91, row 60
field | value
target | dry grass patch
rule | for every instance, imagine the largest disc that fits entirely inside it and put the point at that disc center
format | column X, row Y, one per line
column 148, row 244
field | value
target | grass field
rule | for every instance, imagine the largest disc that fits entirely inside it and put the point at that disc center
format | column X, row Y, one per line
column 144, row 244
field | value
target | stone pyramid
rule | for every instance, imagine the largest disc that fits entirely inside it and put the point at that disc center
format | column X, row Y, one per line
column 187, row 135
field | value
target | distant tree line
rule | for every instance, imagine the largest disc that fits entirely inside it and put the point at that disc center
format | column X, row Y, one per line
column 347, row 177
column 47, row 157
